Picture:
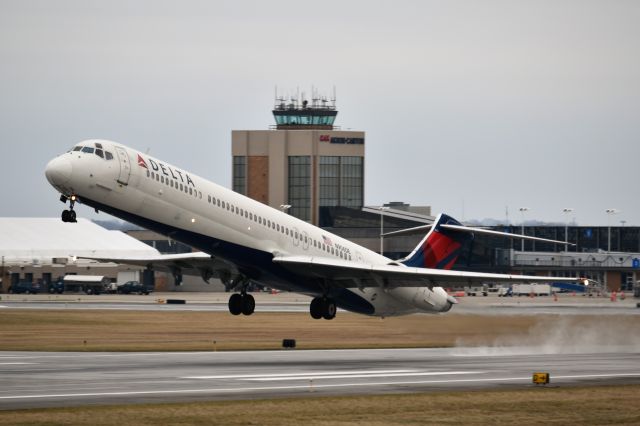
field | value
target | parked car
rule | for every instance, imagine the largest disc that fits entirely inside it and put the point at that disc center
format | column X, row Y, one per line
column 25, row 287
column 133, row 287
column 56, row 286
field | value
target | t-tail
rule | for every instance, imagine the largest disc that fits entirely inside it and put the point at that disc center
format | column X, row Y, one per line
column 440, row 248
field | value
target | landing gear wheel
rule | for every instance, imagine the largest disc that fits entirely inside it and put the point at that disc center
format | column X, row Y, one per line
column 316, row 308
column 248, row 304
column 329, row 311
column 69, row 216
column 235, row 304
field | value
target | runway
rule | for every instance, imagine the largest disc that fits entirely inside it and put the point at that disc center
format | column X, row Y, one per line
column 29, row 379
column 291, row 302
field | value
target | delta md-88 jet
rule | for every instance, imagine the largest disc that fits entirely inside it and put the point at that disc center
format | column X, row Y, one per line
column 242, row 240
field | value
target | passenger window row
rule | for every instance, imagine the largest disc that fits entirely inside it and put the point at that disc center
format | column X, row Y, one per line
column 329, row 249
column 173, row 184
column 216, row 202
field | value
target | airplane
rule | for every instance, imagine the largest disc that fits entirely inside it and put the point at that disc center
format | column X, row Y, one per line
column 243, row 241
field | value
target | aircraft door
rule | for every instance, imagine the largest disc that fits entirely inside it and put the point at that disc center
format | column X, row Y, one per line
column 125, row 165
column 305, row 240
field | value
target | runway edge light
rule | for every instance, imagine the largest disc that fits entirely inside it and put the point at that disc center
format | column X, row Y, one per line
column 540, row 378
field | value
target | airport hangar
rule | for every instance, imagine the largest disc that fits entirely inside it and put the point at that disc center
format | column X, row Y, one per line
column 312, row 169
column 45, row 249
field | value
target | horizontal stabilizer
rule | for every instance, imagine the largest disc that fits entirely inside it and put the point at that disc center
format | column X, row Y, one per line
column 469, row 229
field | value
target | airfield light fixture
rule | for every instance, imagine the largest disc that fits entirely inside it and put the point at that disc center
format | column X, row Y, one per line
column 522, row 211
column 566, row 211
column 285, row 207
column 382, row 210
column 610, row 212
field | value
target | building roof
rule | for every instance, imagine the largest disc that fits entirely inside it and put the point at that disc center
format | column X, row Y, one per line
column 41, row 239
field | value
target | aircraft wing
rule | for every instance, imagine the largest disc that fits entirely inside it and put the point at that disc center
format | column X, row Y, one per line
column 198, row 263
column 351, row 274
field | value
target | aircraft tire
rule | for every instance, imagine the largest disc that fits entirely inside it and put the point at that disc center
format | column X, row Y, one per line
column 72, row 216
column 248, row 304
column 65, row 215
column 329, row 311
column 235, row 304
column 316, row 308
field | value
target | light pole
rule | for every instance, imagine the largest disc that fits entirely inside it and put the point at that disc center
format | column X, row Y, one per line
column 382, row 210
column 609, row 212
column 522, row 211
column 566, row 211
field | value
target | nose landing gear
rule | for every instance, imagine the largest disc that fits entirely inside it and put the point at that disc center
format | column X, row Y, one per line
column 69, row 215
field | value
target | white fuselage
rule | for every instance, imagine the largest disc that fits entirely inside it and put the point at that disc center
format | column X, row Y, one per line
column 156, row 195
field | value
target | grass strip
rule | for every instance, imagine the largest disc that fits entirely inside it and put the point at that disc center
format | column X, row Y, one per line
column 599, row 405
column 111, row 330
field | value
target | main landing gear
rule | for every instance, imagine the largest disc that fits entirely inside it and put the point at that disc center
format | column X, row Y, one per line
column 241, row 303
column 69, row 215
column 323, row 307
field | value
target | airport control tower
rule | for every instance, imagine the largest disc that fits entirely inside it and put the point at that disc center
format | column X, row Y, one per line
column 304, row 161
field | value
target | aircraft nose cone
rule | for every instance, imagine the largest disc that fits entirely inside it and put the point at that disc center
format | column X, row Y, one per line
column 58, row 171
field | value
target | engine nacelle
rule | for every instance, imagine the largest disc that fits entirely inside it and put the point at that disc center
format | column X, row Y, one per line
column 423, row 298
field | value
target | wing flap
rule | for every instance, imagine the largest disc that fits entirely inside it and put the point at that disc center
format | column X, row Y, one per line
column 198, row 263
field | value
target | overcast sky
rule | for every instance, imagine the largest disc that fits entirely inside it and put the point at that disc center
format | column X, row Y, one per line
column 468, row 106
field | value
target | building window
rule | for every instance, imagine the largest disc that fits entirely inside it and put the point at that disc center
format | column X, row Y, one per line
column 300, row 187
column 351, row 182
column 329, row 180
column 341, row 181
column 240, row 174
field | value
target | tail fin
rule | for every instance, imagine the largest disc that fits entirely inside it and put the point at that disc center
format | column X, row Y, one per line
column 440, row 248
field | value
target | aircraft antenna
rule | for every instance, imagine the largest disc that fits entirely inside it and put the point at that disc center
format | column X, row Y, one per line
column 333, row 100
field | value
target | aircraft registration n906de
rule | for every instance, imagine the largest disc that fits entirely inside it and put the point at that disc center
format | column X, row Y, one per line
column 242, row 240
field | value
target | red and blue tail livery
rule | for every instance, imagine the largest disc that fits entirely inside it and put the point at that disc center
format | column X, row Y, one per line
column 440, row 248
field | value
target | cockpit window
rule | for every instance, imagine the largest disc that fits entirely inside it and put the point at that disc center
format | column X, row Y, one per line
column 87, row 149
column 77, row 148
column 99, row 153
column 98, row 145
column 109, row 155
